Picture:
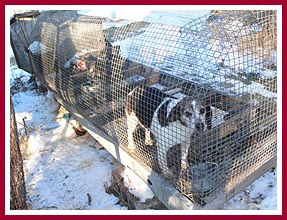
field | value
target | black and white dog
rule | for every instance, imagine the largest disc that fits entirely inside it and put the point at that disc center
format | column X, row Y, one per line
column 171, row 120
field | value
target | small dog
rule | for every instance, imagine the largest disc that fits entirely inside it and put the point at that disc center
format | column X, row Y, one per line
column 171, row 120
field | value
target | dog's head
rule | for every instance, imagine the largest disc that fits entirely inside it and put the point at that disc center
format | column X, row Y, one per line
column 192, row 113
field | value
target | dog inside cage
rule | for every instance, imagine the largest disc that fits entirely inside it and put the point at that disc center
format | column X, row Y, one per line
column 171, row 119
column 196, row 102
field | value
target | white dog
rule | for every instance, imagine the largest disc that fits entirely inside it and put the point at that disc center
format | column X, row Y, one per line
column 171, row 120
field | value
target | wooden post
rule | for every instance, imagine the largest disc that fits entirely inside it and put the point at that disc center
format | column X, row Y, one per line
column 17, row 182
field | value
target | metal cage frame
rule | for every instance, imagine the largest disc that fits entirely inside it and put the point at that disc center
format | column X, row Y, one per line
column 226, row 60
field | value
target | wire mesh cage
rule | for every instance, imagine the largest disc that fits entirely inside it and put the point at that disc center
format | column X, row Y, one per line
column 196, row 103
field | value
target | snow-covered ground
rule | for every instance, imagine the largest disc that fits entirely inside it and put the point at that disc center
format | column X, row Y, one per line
column 62, row 168
column 67, row 172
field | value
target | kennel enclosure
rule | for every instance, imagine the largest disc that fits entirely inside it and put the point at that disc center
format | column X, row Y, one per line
column 226, row 59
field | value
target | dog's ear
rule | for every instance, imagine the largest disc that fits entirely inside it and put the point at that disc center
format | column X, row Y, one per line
column 208, row 117
column 178, row 111
column 175, row 113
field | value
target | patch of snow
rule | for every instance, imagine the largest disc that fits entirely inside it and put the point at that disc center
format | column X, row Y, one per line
column 159, row 86
column 51, row 102
column 175, row 17
column 134, row 78
column 62, row 168
column 16, row 73
column 112, row 23
column 38, row 48
column 136, row 185
column 259, row 195
column 268, row 74
column 147, row 14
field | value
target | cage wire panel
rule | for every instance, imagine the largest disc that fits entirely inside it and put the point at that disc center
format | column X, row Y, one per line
column 196, row 103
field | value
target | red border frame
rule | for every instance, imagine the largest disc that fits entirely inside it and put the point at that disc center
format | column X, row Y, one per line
column 147, row 2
